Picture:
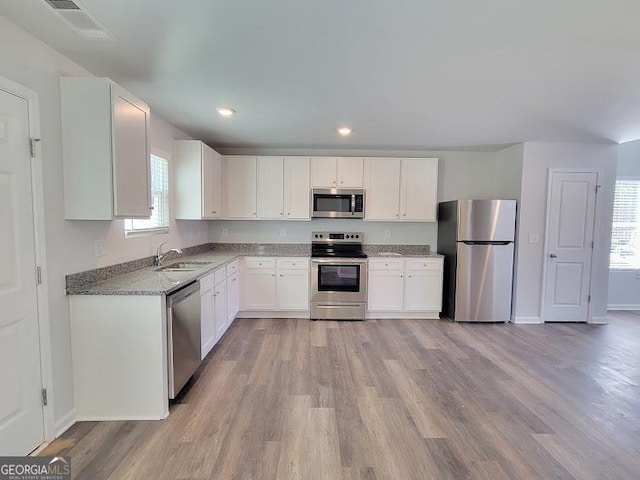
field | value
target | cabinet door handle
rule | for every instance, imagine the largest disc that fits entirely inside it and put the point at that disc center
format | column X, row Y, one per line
column 408, row 276
column 151, row 207
column 404, row 214
column 341, row 182
column 280, row 274
column 273, row 275
column 401, row 276
column 214, row 211
column 254, row 214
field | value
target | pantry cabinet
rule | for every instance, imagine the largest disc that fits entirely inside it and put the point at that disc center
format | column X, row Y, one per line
column 198, row 181
column 405, row 287
column 105, row 145
column 401, row 189
column 336, row 172
column 239, row 175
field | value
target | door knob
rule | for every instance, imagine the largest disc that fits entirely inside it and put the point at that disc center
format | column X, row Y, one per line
column 553, row 255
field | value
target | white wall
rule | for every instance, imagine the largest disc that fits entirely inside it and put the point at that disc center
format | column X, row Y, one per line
column 70, row 244
column 537, row 159
column 461, row 174
column 624, row 285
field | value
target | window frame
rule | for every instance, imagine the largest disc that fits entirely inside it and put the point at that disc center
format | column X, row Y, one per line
column 129, row 230
column 619, row 268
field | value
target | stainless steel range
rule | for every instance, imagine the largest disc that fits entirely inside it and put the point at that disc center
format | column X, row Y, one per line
column 338, row 276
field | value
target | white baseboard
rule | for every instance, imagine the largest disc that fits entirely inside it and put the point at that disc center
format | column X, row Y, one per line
column 401, row 315
column 527, row 320
column 65, row 423
column 118, row 418
column 274, row 314
column 619, row 306
column 599, row 321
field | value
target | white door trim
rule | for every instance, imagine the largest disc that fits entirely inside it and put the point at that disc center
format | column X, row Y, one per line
column 44, row 325
column 596, row 224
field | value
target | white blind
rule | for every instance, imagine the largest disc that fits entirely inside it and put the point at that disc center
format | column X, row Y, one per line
column 159, row 219
column 625, row 232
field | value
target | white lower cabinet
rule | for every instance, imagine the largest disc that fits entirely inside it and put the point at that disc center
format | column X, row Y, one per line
column 275, row 284
column 385, row 290
column 220, row 309
column 207, row 315
column 233, row 296
column 219, row 303
column 405, row 288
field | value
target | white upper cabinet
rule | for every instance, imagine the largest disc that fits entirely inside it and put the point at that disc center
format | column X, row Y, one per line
column 239, row 181
column 198, row 181
column 401, row 189
column 382, row 187
column 270, row 188
column 297, row 197
column 283, row 188
column 419, row 189
column 105, row 142
column 336, row 172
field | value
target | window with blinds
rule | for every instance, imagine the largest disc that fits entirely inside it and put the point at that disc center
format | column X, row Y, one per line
column 159, row 220
column 625, row 232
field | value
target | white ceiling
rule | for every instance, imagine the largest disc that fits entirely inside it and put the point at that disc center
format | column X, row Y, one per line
column 410, row 74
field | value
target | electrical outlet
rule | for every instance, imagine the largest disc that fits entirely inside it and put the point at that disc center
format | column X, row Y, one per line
column 283, row 233
column 225, row 232
column 98, row 248
column 534, row 238
column 387, row 234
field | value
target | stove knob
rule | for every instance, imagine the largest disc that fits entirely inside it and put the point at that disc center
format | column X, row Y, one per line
column 320, row 236
column 351, row 236
column 357, row 236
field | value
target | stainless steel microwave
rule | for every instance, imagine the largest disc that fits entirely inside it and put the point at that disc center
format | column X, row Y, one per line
column 337, row 203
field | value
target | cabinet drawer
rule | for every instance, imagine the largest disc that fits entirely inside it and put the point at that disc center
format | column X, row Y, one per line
column 220, row 275
column 424, row 264
column 232, row 268
column 386, row 264
column 298, row 263
column 260, row 263
column 207, row 282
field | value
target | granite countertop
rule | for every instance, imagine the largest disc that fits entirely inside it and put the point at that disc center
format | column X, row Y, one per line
column 149, row 281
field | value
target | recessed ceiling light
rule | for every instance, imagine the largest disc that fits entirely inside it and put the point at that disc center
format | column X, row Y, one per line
column 345, row 131
column 225, row 111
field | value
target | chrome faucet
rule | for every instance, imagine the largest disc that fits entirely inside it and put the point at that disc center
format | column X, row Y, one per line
column 159, row 256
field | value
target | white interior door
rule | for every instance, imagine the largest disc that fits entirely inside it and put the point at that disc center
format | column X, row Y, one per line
column 570, row 222
column 21, row 414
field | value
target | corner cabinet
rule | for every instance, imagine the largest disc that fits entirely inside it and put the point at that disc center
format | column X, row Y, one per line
column 198, row 180
column 401, row 189
column 105, row 145
column 405, row 287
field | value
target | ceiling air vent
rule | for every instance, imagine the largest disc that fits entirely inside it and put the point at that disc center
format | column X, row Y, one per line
column 79, row 18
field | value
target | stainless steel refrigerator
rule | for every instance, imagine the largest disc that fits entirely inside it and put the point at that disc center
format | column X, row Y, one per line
column 476, row 238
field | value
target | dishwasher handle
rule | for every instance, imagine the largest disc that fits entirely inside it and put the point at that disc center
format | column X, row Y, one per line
column 184, row 292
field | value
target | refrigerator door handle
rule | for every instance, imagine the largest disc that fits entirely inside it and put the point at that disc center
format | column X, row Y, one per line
column 476, row 242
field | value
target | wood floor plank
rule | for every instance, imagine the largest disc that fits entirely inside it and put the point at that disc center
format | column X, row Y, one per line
column 389, row 399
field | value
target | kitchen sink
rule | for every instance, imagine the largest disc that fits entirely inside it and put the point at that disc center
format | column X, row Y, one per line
column 183, row 267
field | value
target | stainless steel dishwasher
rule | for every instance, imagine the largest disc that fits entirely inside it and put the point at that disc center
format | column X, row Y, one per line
column 183, row 335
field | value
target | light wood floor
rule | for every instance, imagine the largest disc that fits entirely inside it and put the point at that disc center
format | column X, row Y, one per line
column 390, row 399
